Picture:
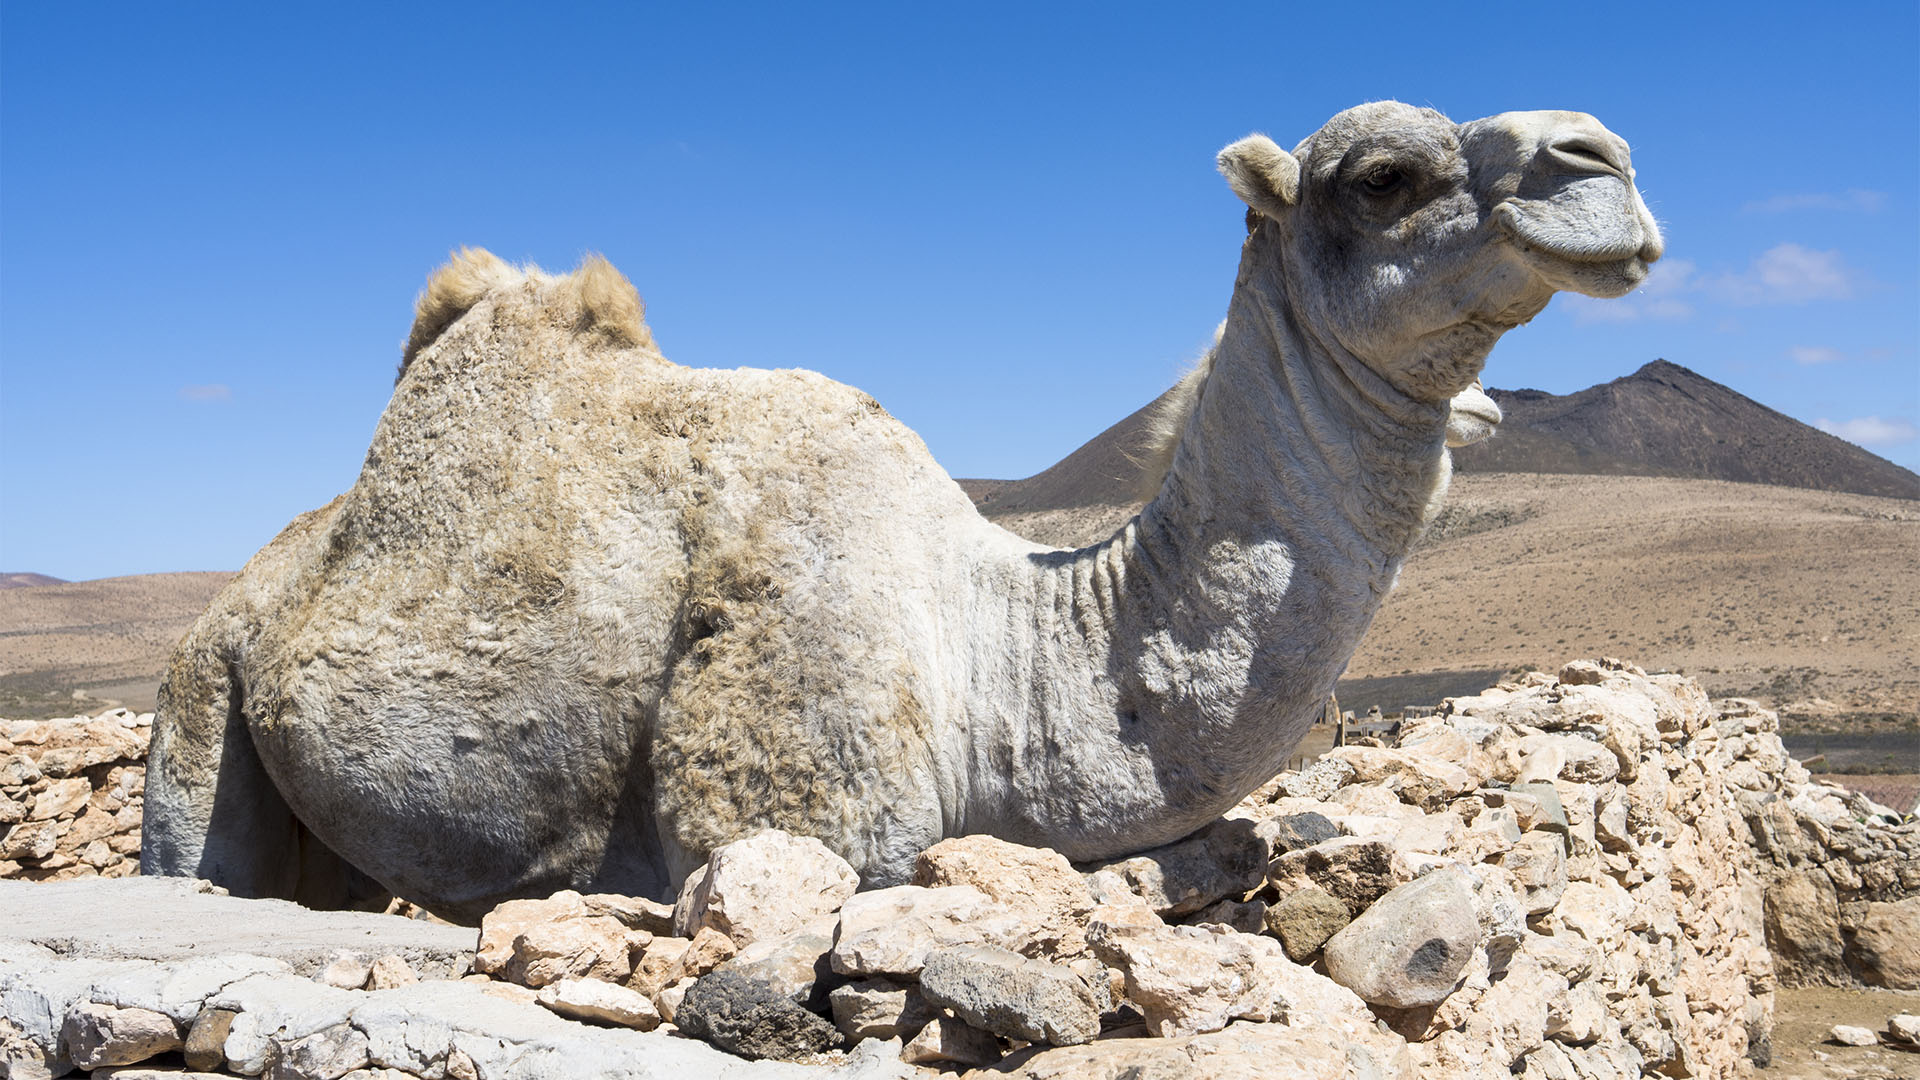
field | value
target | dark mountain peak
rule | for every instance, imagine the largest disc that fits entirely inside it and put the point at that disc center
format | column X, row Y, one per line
column 1668, row 420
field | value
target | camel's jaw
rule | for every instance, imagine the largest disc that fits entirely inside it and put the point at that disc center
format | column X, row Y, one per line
column 1597, row 243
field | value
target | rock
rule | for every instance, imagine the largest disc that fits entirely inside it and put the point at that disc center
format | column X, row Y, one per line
column 1904, row 1028
column 1317, row 781
column 323, row 1055
column 207, row 1039
column 1538, row 863
column 879, row 1009
column 97, row 1035
column 1848, row 1035
column 1248, row 917
column 708, row 950
column 345, row 971
column 751, row 1019
column 1005, row 993
column 17, row 770
column 1187, row 979
column 669, row 998
column 660, row 965
column 766, row 885
column 947, row 1039
column 1291, row 832
column 30, row 840
column 1304, row 919
column 600, row 1002
column 1416, row 779
column 1356, row 870
column 794, row 964
column 1224, row 859
column 891, row 931
column 1410, row 948
column 1039, row 883
column 1537, row 804
column 390, row 971
column 1886, row 944
column 634, row 912
column 62, row 798
column 535, row 942
column 1241, row 1052
column 1803, row 926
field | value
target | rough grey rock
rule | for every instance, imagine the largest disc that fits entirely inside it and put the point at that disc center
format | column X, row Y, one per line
column 1304, row 919
column 1356, row 870
column 1225, row 859
column 1410, row 947
column 749, row 1018
column 793, row 964
column 1006, row 993
column 879, row 1009
column 1290, row 832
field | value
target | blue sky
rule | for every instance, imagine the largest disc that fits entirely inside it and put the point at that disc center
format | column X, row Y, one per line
column 1002, row 221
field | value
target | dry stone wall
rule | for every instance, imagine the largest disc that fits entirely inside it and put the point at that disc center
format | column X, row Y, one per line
column 1562, row 877
column 70, row 795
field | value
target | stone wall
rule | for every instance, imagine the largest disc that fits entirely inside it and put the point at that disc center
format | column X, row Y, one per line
column 70, row 795
column 1561, row 877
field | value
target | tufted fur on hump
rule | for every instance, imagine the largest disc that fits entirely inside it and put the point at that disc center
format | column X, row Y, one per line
column 595, row 298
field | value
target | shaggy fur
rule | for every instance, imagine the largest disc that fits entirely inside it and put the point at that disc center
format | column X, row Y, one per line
column 587, row 614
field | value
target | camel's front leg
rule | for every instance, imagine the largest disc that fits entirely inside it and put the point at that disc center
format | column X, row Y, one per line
column 212, row 812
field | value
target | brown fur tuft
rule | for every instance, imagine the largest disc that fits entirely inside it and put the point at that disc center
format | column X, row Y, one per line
column 610, row 304
column 451, row 291
column 596, row 295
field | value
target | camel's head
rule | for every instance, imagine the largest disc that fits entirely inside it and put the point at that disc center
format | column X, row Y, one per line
column 1414, row 242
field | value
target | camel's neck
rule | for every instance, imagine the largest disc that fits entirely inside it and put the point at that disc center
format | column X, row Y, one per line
column 1189, row 653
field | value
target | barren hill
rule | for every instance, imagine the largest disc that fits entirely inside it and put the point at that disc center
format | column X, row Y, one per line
column 107, row 639
column 22, row 581
column 1665, row 420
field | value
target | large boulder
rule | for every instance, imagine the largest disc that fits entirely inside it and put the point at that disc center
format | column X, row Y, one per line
column 769, row 884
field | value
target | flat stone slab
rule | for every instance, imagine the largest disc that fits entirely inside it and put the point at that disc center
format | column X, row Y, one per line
column 162, row 944
column 140, row 918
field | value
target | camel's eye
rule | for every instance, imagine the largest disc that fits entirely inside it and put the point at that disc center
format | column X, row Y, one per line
column 1383, row 180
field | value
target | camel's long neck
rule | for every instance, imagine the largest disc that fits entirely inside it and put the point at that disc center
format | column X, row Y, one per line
column 1190, row 653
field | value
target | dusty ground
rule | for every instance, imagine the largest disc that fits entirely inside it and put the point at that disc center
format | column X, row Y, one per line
column 1779, row 593
column 106, row 639
column 1802, row 1019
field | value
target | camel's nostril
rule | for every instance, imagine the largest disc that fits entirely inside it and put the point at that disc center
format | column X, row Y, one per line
column 1584, row 153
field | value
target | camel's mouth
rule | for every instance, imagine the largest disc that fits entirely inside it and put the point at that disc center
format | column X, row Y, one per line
column 1592, row 235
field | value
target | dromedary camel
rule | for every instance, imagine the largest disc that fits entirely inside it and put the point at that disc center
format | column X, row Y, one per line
column 587, row 614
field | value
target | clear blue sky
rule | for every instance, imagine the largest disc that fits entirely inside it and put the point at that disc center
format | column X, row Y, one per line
column 1002, row 221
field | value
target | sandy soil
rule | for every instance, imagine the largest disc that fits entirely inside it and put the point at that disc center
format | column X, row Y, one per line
column 1803, row 1018
column 107, row 640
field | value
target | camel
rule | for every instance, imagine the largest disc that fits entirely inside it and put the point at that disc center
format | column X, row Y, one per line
column 587, row 614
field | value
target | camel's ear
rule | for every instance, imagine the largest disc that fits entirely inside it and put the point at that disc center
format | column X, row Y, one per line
column 1265, row 177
